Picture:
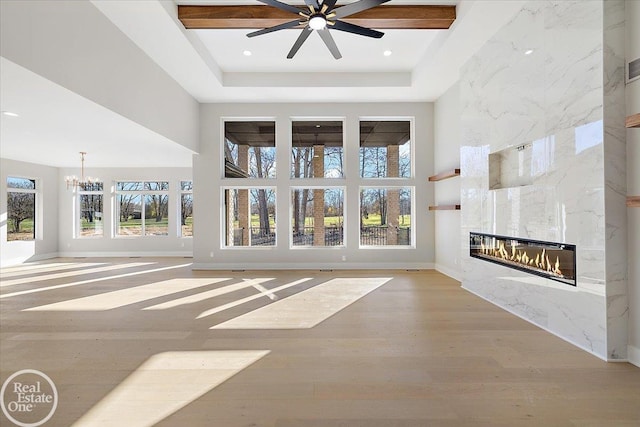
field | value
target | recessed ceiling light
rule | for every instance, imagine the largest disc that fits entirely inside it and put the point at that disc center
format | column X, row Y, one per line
column 387, row 53
column 10, row 114
column 317, row 126
column 528, row 52
column 247, row 53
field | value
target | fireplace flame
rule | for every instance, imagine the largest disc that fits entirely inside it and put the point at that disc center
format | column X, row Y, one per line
column 519, row 256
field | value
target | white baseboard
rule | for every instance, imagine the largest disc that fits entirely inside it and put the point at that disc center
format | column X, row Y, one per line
column 454, row 274
column 543, row 327
column 633, row 355
column 312, row 266
column 150, row 254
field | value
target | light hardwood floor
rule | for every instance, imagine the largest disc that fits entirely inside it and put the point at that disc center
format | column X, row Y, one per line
column 132, row 342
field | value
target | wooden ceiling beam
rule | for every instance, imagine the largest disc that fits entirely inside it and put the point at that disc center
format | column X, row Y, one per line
column 381, row 17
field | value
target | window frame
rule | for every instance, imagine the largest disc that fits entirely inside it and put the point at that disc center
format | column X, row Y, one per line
column 78, row 193
column 37, row 205
column 412, row 233
column 223, row 139
column 181, row 193
column 224, row 222
column 344, row 217
column 412, row 132
column 142, row 193
column 292, row 119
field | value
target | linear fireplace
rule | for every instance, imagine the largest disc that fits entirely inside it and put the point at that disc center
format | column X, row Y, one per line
column 555, row 261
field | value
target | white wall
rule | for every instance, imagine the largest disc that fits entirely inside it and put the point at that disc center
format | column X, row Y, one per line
column 208, row 199
column 109, row 244
column 74, row 45
column 446, row 157
column 46, row 243
column 632, row 90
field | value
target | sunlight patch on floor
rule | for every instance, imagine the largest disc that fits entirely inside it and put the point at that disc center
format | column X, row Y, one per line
column 191, row 299
column 122, row 297
column 308, row 308
column 79, row 272
column 84, row 282
column 44, row 268
column 166, row 383
column 249, row 298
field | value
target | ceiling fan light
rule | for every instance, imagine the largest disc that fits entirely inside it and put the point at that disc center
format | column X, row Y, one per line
column 317, row 22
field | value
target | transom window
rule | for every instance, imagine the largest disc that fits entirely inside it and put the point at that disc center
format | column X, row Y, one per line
column 250, row 149
column 316, row 149
column 385, row 149
column 142, row 208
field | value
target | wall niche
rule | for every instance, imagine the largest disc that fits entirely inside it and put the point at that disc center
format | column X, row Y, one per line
column 510, row 167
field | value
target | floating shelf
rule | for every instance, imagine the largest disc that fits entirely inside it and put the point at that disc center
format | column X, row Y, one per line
column 445, row 208
column 633, row 121
column 445, row 175
column 633, row 201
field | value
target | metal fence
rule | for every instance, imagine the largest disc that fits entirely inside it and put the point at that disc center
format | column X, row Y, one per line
column 377, row 236
column 333, row 236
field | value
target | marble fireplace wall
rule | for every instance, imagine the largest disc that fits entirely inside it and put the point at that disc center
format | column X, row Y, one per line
column 549, row 79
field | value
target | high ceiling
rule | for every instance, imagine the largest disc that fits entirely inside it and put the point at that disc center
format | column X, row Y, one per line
column 212, row 67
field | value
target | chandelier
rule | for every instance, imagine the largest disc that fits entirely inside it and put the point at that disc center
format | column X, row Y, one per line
column 73, row 182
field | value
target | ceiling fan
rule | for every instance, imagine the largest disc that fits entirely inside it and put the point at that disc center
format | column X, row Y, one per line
column 321, row 17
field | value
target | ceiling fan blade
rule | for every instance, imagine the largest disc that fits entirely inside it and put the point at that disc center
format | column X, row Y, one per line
column 356, row 7
column 280, row 5
column 330, row 4
column 328, row 40
column 301, row 39
column 289, row 24
column 356, row 29
column 312, row 3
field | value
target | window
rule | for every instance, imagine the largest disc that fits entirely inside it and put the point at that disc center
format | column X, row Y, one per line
column 385, row 149
column 142, row 208
column 186, row 208
column 21, row 209
column 250, row 217
column 317, row 216
column 385, row 216
column 250, row 149
column 90, row 197
column 316, row 149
